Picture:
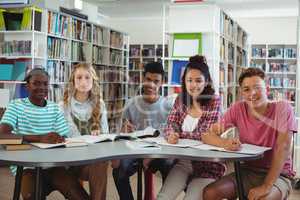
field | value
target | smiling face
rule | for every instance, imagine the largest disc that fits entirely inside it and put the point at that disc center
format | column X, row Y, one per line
column 37, row 87
column 151, row 84
column 194, row 82
column 83, row 81
column 254, row 92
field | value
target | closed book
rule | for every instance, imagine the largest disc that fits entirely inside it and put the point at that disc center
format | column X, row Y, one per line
column 15, row 147
column 10, row 139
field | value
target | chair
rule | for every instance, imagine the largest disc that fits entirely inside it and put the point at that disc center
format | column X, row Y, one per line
column 149, row 185
column 296, row 181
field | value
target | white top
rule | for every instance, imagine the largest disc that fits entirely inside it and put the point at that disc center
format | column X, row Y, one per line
column 83, row 112
column 189, row 123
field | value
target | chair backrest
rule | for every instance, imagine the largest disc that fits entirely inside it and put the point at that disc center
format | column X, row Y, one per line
column 296, row 149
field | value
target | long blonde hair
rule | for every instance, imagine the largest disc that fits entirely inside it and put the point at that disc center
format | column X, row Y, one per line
column 94, row 95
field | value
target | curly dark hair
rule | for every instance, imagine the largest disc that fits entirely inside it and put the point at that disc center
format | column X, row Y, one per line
column 198, row 62
column 249, row 72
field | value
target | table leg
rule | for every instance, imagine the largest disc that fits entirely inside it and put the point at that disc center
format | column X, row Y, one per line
column 140, row 180
column 18, row 181
column 38, row 184
column 239, row 182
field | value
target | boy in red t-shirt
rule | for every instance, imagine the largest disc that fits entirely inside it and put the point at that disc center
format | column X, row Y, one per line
column 259, row 122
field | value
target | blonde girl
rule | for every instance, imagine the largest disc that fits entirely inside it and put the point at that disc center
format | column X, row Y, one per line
column 85, row 112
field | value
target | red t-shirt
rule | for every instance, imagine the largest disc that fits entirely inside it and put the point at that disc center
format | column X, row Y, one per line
column 279, row 118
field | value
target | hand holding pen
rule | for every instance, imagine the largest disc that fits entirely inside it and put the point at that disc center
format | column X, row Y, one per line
column 232, row 144
column 127, row 126
column 173, row 138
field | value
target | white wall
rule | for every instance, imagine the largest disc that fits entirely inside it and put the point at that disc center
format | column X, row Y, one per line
column 271, row 30
column 88, row 9
column 140, row 30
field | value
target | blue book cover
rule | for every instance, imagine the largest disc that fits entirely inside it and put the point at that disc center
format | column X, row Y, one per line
column 19, row 71
column 177, row 71
column 21, row 91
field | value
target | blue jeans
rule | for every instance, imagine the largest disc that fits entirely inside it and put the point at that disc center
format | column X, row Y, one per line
column 128, row 167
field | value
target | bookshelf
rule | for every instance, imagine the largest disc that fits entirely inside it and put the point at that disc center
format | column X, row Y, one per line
column 139, row 56
column 62, row 41
column 280, row 64
column 22, row 45
column 219, row 38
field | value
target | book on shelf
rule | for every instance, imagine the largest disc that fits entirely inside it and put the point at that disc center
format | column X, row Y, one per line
column 15, row 48
column 115, row 57
column 99, row 35
column 229, row 97
column 58, row 48
column 59, row 24
column 99, row 55
column 177, row 71
column 135, row 50
column 276, row 52
column 19, row 70
column 58, row 71
column 21, row 19
column 11, row 139
column 148, row 51
column 222, row 76
column 79, row 51
column 259, row 52
column 55, row 93
column 2, row 21
column 21, row 91
column 116, row 39
column 13, row 72
column 290, row 52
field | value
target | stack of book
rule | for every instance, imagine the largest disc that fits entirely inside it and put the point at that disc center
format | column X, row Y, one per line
column 13, row 142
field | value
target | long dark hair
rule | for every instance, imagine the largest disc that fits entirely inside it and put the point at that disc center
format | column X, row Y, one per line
column 199, row 63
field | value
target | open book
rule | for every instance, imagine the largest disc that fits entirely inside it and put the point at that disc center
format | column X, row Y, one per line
column 82, row 140
column 245, row 148
column 181, row 142
column 85, row 140
column 140, row 145
column 147, row 132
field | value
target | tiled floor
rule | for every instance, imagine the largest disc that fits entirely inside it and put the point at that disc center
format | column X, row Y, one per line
column 7, row 183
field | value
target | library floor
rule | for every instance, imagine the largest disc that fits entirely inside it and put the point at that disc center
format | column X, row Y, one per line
column 7, row 184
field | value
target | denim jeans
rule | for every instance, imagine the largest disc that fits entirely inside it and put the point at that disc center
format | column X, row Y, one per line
column 128, row 167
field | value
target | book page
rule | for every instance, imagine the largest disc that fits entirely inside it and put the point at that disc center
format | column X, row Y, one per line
column 245, row 148
column 181, row 142
column 46, row 146
column 91, row 139
column 142, row 145
column 149, row 131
